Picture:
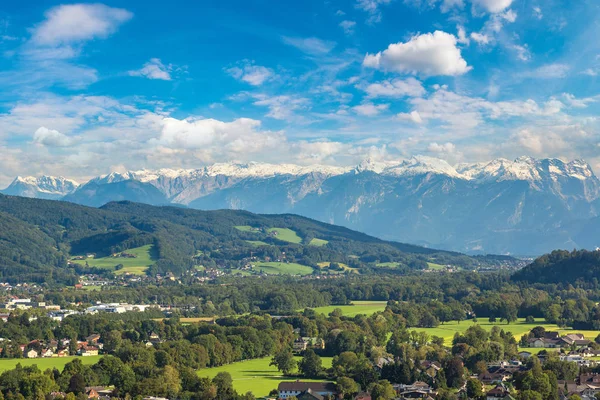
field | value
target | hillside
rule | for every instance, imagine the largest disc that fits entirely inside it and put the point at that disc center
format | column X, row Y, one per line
column 38, row 237
column 562, row 267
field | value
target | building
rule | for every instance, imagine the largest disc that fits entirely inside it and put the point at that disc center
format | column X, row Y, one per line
column 88, row 351
column 31, row 353
column 418, row 390
column 363, row 396
column 93, row 339
column 300, row 344
column 499, row 392
column 295, row 389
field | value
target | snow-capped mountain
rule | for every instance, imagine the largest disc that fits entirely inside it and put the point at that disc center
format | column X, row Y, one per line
column 43, row 187
column 523, row 206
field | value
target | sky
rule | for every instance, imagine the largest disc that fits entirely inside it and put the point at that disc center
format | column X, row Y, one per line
column 91, row 88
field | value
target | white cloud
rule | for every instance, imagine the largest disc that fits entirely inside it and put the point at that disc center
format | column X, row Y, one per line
column 537, row 12
column 442, row 149
column 590, row 72
column 481, row 39
column 572, row 101
column 510, row 16
column 312, row 45
column 548, row 71
column 154, row 69
column 348, row 26
column 51, row 138
column 492, row 6
column 281, row 107
column 523, row 53
column 412, row 116
column 448, row 5
column 71, row 23
column 370, row 109
column 254, row 75
column 427, row 54
column 462, row 35
column 372, row 7
column 396, row 88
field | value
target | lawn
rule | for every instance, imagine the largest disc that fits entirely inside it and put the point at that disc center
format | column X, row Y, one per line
column 518, row 329
column 356, row 308
column 318, row 242
column 144, row 258
column 287, row 235
column 44, row 363
column 257, row 243
column 255, row 376
column 279, row 268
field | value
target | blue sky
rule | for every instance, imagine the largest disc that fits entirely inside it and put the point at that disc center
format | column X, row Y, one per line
column 90, row 88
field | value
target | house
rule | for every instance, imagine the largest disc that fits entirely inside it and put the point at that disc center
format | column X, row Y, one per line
column 154, row 337
column 525, row 354
column 497, row 376
column 31, row 353
column 310, row 395
column 576, row 358
column 87, row 351
column 300, row 344
column 418, row 390
column 589, row 352
column 362, row 396
column 47, row 353
column 431, row 368
column 499, row 392
column 294, row 389
column 92, row 339
column 574, row 339
column 91, row 393
column 62, row 353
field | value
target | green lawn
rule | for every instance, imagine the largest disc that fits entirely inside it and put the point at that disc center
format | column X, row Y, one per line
column 255, row 376
column 318, row 242
column 137, row 266
column 287, row 235
column 518, row 329
column 44, row 363
column 278, row 268
column 357, row 307
column 257, row 243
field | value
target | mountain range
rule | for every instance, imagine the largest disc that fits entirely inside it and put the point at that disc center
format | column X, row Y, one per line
column 525, row 206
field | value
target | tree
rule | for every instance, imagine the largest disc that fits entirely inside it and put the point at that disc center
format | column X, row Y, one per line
column 347, row 387
column 455, row 371
column 529, row 395
column 382, row 390
column 284, row 361
column 112, row 341
column 474, row 389
column 311, row 365
column 77, row 384
column 529, row 319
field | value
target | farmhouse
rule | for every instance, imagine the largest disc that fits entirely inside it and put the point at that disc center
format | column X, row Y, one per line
column 295, row 389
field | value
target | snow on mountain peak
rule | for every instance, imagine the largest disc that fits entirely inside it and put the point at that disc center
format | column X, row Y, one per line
column 419, row 165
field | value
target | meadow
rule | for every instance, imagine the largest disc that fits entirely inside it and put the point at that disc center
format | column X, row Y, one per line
column 287, row 235
column 280, row 268
column 318, row 242
column 255, row 376
column 44, row 363
column 136, row 266
column 356, row 308
column 257, row 243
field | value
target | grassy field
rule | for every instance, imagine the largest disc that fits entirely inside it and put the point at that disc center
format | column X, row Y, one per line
column 257, row 243
column 137, row 266
column 44, row 363
column 279, row 268
column 435, row 266
column 254, row 376
column 357, row 307
column 518, row 329
column 244, row 228
column 287, row 235
column 318, row 242
column 388, row 264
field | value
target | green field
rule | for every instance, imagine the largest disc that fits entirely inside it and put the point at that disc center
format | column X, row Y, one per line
column 136, row 266
column 44, row 363
column 388, row 264
column 287, row 235
column 257, row 243
column 280, row 268
column 436, row 267
column 318, row 242
column 255, row 376
column 518, row 329
column 357, row 307
column 245, row 228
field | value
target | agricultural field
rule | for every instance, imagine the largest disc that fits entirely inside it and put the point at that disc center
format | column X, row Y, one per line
column 255, row 376
column 137, row 266
column 280, row 268
column 257, row 243
column 356, row 308
column 389, row 265
column 318, row 242
column 287, row 235
column 436, row 267
column 44, row 363
column 325, row 264
column 517, row 328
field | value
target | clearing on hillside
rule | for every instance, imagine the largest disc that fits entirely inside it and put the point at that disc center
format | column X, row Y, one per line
column 318, row 242
column 144, row 258
column 280, row 268
column 356, row 308
column 285, row 234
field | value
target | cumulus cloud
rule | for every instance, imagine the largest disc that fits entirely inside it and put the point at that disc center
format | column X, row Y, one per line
column 312, row 45
column 254, row 75
column 370, row 109
column 348, row 26
column 462, row 35
column 154, row 69
column 78, row 22
column 395, row 88
column 412, row 116
column 428, row 54
column 51, row 138
column 372, row 8
column 444, row 148
column 481, row 39
column 281, row 107
column 492, row 6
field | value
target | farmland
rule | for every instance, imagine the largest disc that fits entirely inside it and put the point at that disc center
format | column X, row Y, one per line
column 280, row 268
column 255, row 376
column 144, row 257
column 318, row 242
column 44, row 363
column 285, row 234
column 356, row 308
column 257, row 243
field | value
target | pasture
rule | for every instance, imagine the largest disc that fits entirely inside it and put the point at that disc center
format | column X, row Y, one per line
column 257, row 243
column 318, row 242
column 144, row 258
column 287, row 235
column 280, row 268
column 44, row 363
column 255, row 376
column 356, row 308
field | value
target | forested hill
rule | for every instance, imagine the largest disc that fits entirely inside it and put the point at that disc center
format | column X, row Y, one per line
column 562, row 266
column 38, row 237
